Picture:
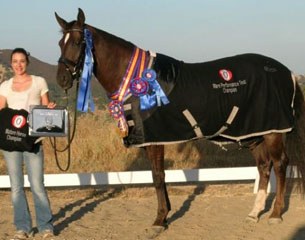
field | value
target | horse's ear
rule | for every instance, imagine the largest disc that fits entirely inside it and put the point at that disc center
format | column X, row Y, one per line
column 61, row 21
column 81, row 17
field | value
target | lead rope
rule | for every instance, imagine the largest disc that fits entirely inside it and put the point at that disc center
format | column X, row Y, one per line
column 69, row 139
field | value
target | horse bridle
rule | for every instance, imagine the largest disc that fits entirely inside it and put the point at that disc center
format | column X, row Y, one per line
column 76, row 66
column 75, row 74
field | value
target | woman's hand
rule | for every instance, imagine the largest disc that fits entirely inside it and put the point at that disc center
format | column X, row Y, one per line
column 51, row 105
column 46, row 102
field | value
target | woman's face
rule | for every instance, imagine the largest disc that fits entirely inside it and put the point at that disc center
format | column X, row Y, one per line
column 19, row 63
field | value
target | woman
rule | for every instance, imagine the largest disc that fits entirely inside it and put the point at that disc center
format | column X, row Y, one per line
column 19, row 92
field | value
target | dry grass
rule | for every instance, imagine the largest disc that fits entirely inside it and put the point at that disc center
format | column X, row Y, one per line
column 97, row 147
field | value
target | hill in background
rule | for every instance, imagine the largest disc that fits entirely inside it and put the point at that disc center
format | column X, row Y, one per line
column 301, row 79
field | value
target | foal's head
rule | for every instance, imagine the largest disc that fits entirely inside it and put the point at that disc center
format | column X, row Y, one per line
column 72, row 46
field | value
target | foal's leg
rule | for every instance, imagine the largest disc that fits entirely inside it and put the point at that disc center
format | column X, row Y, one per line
column 155, row 154
column 264, row 166
column 276, row 149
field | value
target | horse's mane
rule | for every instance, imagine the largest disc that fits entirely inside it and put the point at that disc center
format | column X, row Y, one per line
column 108, row 37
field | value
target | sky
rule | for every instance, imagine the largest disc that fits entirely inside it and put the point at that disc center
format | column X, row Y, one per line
column 189, row 30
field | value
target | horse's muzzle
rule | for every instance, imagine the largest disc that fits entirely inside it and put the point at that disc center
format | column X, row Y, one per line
column 65, row 81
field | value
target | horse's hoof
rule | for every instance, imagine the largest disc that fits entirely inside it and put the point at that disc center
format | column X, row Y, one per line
column 273, row 221
column 251, row 219
column 154, row 231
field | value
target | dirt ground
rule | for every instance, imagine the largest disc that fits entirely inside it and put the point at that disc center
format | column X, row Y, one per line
column 207, row 212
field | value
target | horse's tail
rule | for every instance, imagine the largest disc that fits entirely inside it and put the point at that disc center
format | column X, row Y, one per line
column 295, row 141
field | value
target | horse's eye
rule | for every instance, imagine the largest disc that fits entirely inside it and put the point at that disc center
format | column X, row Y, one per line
column 77, row 43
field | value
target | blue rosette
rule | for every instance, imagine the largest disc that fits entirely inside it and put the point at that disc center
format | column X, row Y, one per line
column 149, row 75
column 157, row 95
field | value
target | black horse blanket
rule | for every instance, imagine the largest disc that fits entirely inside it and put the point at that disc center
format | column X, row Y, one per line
column 235, row 98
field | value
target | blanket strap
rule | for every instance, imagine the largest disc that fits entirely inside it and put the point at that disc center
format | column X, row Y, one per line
column 228, row 122
column 193, row 123
column 197, row 129
column 152, row 56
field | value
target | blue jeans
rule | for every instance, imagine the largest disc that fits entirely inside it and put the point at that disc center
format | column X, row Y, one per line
column 34, row 164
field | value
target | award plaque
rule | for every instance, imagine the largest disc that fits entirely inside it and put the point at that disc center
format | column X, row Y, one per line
column 48, row 122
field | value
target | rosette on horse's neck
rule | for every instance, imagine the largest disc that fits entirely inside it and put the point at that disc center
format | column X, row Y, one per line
column 84, row 98
column 148, row 90
column 137, row 64
column 140, row 81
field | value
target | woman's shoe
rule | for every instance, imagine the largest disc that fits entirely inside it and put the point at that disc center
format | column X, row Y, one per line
column 47, row 234
column 19, row 235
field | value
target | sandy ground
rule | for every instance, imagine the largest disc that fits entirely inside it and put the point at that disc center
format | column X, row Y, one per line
column 208, row 212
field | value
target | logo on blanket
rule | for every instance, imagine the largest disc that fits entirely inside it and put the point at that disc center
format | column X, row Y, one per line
column 225, row 74
column 230, row 85
column 18, row 121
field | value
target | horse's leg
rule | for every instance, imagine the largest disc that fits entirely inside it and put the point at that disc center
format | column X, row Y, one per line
column 155, row 154
column 264, row 166
column 276, row 150
column 270, row 152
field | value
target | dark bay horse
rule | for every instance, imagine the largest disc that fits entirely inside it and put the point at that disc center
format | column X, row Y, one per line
column 159, row 100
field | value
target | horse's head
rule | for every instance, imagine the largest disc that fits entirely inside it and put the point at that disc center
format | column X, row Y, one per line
column 72, row 47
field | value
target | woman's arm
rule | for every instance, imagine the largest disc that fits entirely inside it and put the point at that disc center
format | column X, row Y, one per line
column 44, row 101
column 2, row 102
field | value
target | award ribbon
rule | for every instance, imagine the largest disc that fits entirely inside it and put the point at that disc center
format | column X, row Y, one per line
column 135, row 67
column 148, row 90
column 84, row 98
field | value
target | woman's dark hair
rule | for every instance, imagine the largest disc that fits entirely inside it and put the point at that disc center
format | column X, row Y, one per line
column 21, row 50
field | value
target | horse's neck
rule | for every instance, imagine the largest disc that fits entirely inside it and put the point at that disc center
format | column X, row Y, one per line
column 112, row 55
